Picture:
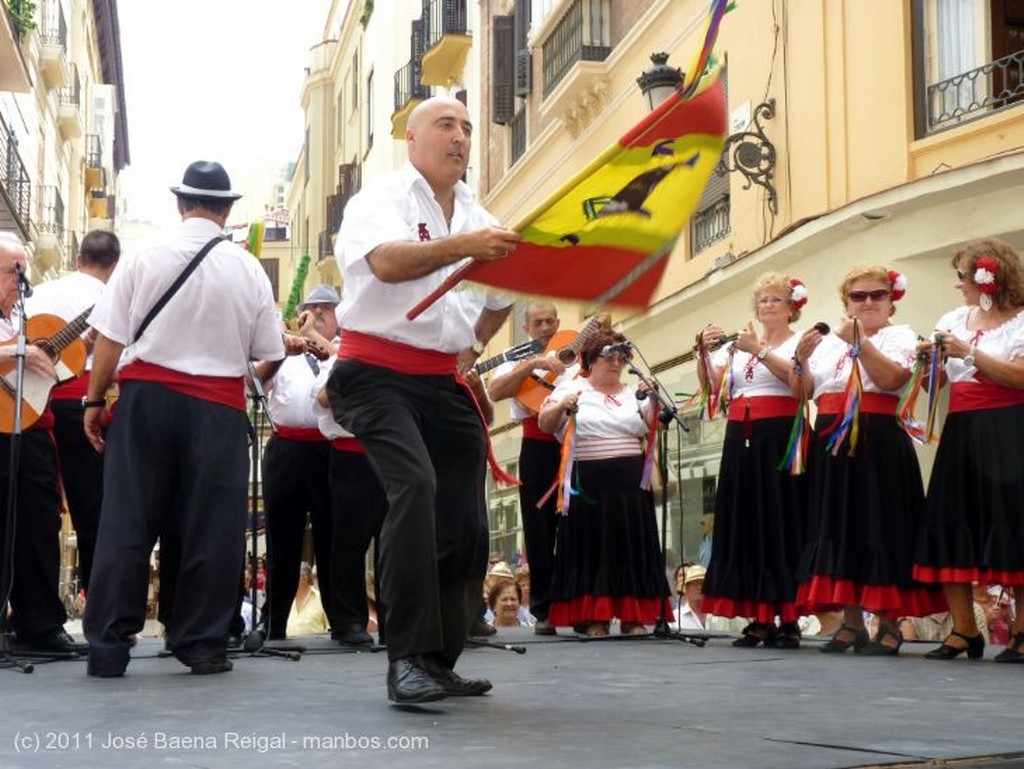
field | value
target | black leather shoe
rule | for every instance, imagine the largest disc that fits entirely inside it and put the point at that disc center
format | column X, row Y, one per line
column 1013, row 651
column 756, row 633
column 356, row 635
column 453, row 684
column 56, row 642
column 481, row 628
column 211, row 666
column 409, row 682
column 837, row 646
column 975, row 648
column 877, row 648
column 543, row 627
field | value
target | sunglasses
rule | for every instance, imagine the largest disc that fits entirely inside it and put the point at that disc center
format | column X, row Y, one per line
column 862, row 296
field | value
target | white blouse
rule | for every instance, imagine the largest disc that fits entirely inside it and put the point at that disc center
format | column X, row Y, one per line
column 606, row 425
column 751, row 378
column 1005, row 341
column 829, row 365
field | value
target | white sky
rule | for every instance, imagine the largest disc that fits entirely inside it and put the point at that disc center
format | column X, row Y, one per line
column 212, row 80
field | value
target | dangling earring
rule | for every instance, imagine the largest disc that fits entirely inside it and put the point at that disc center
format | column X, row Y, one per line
column 986, row 302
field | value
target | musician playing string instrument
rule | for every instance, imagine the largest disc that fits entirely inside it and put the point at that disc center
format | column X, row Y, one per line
column 296, row 464
column 538, row 457
column 38, row 618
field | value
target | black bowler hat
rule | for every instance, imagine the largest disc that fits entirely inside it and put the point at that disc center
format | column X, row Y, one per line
column 205, row 179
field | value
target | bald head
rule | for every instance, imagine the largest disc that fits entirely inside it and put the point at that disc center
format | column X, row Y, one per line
column 439, row 137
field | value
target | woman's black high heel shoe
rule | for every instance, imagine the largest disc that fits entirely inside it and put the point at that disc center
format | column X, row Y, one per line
column 788, row 636
column 975, row 648
column 875, row 647
column 835, row 646
column 756, row 633
column 1012, row 652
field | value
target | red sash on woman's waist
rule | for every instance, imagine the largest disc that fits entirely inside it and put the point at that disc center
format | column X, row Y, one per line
column 72, row 390
column 870, row 403
column 303, row 434
column 761, row 407
column 226, row 390
column 351, row 445
column 977, row 396
column 532, row 431
column 386, row 353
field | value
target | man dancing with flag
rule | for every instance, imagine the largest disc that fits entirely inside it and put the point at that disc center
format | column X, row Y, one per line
column 398, row 386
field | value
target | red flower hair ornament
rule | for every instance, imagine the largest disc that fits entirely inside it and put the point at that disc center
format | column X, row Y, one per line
column 898, row 281
column 797, row 293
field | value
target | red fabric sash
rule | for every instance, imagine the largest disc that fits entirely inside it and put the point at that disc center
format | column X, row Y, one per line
column 226, row 390
column 302, row 434
column 761, row 407
column 45, row 421
column 395, row 356
column 347, row 444
column 351, row 445
column 72, row 390
column 977, row 396
column 532, row 431
column 870, row 403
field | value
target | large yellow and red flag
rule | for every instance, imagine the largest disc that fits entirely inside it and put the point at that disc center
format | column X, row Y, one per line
column 606, row 234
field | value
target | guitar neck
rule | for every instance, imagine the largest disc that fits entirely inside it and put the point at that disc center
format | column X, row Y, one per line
column 517, row 353
column 69, row 333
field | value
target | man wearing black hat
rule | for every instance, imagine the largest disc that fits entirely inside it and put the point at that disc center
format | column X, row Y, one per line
column 397, row 386
column 296, row 463
column 177, row 462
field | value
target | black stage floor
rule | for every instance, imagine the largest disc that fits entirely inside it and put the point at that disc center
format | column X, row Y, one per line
column 564, row 703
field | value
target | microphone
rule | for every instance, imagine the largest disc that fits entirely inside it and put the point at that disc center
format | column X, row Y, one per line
column 822, row 328
column 26, row 287
column 623, row 348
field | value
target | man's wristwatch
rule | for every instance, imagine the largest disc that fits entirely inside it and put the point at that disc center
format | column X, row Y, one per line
column 969, row 357
column 88, row 404
column 477, row 347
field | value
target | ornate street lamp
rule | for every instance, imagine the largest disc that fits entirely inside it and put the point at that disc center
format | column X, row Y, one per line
column 660, row 81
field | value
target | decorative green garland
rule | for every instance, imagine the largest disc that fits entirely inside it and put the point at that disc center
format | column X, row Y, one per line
column 295, row 295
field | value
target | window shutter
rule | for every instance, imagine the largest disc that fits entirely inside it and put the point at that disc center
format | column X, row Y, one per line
column 502, row 70
column 524, row 61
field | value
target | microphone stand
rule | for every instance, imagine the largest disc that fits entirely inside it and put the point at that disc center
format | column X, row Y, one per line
column 667, row 413
column 254, row 644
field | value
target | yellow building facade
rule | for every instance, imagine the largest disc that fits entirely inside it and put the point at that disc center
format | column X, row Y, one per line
column 897, row 136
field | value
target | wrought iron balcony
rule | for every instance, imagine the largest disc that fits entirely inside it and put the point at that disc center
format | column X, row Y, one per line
column 408, row 93
column 574, row 39
column 53, row 34
column 446, row 43
column 69, row 114
column 976, row 93
column 15, row 185
column 49, row 228
column 709, row 225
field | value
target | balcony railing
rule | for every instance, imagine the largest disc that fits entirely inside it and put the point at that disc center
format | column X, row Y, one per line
column 976, row 93
column 15, row 185
column 407, row 85
column 51, row 211
column 93, row 151
column 54, row 30
column 443, row 17
column 574, row 39
column 72, row 95
column 709, row 225
column 517, row 135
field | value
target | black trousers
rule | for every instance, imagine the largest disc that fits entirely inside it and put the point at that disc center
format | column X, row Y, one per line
column 426, row 442
column 358, row 504
column 36, row 547
column 295, row 482
column 538, row 468
column 81, row 469
column 179, row 465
